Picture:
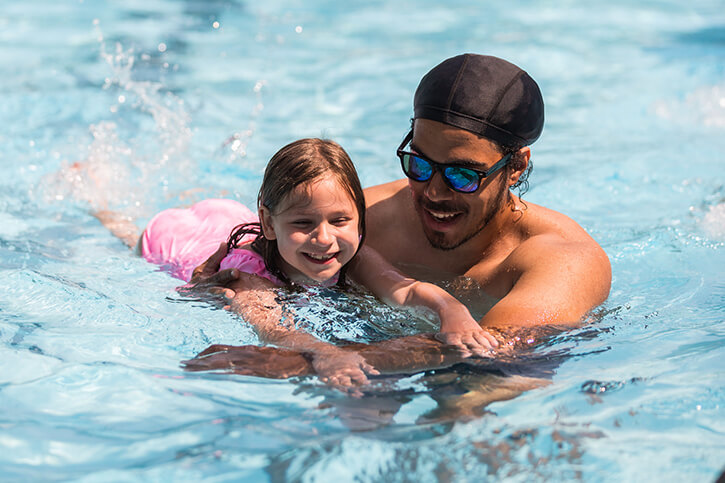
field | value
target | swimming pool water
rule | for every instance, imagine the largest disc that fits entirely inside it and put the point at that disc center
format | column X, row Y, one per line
column 168, row 102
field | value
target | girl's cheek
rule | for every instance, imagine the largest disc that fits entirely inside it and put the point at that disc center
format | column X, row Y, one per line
column 356, row 241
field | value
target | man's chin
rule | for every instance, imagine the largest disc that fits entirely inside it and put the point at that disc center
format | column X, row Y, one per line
column 441, row 241
column 449, row 240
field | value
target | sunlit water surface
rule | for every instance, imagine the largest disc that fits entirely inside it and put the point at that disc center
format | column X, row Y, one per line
column 171, row 102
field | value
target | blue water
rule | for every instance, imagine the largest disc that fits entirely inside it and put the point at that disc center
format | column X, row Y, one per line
column 167, row 102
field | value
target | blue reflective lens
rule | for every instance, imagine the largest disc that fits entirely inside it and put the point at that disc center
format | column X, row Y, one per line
column 462, row 179
column 417, row 168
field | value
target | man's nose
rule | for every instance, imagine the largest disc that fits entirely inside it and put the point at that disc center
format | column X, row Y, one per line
column 437, row 189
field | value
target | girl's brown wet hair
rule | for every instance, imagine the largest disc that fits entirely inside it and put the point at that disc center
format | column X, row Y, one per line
column 296, row 164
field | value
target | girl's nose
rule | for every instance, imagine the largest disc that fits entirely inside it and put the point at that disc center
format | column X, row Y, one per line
column 322, row 235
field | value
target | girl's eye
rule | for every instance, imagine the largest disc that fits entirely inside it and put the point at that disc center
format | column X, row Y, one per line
column 340, row 221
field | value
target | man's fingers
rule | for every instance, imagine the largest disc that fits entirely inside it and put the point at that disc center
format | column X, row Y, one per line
column 213, row 262
column 368, row 369
column 213, row 349
column 339, row 380
column 211, row 265
column 227, row 293
column 216, row 295
column 220, row 278
column 359, row 377
column 212, row 284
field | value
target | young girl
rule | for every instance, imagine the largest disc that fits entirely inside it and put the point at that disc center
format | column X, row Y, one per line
column 310, row 226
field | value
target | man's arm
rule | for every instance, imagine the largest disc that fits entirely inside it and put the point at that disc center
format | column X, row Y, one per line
column 395, row 356
column 558, row 282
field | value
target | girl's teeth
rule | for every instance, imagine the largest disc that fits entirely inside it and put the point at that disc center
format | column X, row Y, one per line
column 320, row 257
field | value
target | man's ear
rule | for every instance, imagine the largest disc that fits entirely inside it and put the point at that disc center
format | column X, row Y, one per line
column 265, row 219
column 519, row 163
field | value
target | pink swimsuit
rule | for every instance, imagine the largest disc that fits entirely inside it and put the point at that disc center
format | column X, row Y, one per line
column 180, row 239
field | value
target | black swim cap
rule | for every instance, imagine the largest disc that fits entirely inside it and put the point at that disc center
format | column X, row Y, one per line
column 485, row 95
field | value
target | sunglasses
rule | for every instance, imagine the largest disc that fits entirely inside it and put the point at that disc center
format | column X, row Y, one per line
column 456, row 177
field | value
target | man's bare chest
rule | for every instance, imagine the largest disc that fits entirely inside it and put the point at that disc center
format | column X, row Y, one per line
column 422, row 262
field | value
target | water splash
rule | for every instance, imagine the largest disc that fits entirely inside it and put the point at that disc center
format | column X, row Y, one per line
column 704, row 106
column 237, row 143
column 171, row 121
column 135, row 155
column 102, row 179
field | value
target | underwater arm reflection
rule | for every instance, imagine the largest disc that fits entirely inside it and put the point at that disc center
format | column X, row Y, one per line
column 395, row 356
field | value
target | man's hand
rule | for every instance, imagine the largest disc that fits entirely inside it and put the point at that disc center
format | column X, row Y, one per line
column 207, row 279
column 468, row 337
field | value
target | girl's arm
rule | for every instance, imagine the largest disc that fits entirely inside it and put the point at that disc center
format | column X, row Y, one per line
column 458, row 328
column 255, row 300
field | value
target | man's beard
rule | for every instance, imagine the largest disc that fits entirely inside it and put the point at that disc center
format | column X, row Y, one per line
column 438, row 240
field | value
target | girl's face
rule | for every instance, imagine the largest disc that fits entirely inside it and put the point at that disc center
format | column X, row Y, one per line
column 316, row 228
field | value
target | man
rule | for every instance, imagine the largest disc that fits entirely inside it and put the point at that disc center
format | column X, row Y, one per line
column 474, row 111
column 455, row 217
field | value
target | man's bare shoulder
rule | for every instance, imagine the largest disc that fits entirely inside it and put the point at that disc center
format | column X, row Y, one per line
column 545, row 231
column 384, row 193
column 386, row 202
column 539, row 220
column 391, row 221
column 557, row 245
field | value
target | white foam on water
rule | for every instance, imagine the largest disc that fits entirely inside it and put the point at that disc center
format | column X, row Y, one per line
column 704, row 106
column 713, row 223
